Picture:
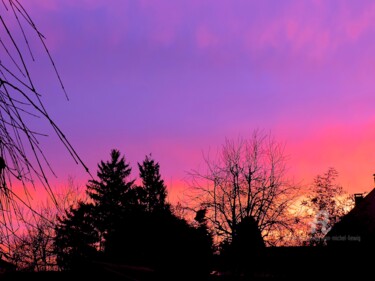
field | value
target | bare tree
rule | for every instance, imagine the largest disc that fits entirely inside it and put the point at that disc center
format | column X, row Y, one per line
column 22, row 160
column 31, row 248
column 326, row 203
column 246, row 179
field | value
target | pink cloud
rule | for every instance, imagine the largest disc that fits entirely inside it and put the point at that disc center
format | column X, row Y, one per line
column 313, row 32
column 162, row 30
column 206, row 38
column 359, row 24
column 300, row 33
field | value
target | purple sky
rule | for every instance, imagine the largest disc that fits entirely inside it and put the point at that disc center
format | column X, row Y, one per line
column 175, row 78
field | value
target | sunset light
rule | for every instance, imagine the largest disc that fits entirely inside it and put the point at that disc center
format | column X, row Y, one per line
column 224, row 116
column 178, row 85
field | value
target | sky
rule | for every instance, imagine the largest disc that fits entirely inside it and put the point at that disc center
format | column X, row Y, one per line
column 176, row 78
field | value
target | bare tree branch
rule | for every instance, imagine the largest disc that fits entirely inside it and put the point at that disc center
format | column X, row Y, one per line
column 247, row 178
column 22, row 158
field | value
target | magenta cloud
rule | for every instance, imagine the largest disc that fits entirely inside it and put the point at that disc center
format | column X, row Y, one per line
column 175, row 78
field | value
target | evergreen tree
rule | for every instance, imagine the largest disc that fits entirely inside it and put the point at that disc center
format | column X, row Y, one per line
column 113, row 193
column 76, row 238
column 133, row 225
column 154, row 193
column 82, row 233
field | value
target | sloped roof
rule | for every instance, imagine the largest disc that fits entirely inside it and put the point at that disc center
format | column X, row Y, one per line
column 356, row 226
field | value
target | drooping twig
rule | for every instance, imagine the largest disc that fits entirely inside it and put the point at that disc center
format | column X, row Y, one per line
column 23, row 158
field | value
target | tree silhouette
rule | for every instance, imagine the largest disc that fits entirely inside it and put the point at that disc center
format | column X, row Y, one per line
column 33, row 248
column 132, row 225
column 113, row 193
column 204, row 243
column 149, row 234
column 135, row 237
column 82, row 233
column 154, row 190
column 329, row 202
column 248, row 245
column 77, row 238
column 161, row 241
column 247, row 179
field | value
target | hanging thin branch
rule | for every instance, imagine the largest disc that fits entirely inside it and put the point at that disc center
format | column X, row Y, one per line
column 22, row 159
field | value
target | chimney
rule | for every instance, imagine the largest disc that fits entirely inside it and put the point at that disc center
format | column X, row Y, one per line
column 358, row 197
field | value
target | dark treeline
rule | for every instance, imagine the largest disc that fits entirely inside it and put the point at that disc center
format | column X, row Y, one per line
column 241, row 203
column 130, row 224
column 244, row 202
column 126, row 226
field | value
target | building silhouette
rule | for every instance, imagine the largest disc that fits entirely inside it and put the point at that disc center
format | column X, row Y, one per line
column 357, row 228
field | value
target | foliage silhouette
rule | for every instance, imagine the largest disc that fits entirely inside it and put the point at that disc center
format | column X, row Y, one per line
column 153, row 236
column 161, row 241
column 112, row 194
column 132, row 225
column 241, row 256
column 154, row 191
column 76, row 238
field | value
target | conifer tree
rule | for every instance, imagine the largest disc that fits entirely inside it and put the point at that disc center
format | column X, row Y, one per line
column 113, row 193
column 76, row 238
column 84, row 229
column 154, row 189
